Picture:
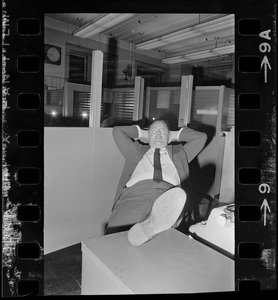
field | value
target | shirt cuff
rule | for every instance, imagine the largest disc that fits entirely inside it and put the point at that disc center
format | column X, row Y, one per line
column 139, row 131
column 178, row 134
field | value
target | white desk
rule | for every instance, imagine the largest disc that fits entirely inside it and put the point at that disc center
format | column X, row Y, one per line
column 170, row 263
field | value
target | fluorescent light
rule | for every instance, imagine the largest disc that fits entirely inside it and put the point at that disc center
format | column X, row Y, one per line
column 191, row 32
column 100, row 25
column 174, row 60
column 200, row 55
column 224, row 50
column 211, row 112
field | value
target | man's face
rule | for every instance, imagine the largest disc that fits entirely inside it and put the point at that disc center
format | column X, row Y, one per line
column 158, row 135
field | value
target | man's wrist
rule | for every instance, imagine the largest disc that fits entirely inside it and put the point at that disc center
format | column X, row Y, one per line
column 142, row 134
column 145, row 134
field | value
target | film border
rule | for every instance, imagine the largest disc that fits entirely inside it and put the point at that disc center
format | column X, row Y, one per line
column 260, row 269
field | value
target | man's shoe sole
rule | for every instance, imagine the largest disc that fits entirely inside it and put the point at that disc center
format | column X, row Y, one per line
column 165, row 212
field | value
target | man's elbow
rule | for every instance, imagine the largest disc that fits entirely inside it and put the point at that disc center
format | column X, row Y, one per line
column 203, row 138
column 115, row 130
column 117, row 133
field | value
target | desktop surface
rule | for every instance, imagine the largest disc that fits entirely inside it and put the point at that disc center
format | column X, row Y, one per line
column 171, row 262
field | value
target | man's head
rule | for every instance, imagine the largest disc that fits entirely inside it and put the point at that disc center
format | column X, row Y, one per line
column 159, row 134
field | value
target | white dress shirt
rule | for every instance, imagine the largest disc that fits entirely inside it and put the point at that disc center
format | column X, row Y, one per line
column 144, row 169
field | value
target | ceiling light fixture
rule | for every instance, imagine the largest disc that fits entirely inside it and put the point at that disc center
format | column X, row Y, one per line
column 147, row 20
column 191, row 32
column 100, row 25
column 200, row 55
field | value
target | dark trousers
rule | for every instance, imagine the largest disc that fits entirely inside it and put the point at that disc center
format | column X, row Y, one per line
column 135, row 204
column 110, row 230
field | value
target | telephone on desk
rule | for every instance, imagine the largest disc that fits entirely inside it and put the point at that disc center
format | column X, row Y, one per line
column 218, row 230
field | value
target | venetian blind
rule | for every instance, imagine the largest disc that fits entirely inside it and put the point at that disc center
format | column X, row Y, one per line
column 54, row 101
column 81, row 103
column 123, row 102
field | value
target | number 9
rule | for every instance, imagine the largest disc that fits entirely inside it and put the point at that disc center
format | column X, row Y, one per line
column 264, row 188
column 265, row 47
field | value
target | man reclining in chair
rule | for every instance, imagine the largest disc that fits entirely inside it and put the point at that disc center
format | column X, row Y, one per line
column 152, row 194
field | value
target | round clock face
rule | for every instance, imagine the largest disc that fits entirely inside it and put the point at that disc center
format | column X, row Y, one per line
column 53, row 54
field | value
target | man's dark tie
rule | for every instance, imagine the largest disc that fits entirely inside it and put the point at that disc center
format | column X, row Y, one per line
column 157, row 173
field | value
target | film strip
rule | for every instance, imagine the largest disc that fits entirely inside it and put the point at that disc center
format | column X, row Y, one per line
column 23, row 137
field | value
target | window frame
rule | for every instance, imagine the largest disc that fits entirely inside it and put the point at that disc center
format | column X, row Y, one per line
column 80, row 52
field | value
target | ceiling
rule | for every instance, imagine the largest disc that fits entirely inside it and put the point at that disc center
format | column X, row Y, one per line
column 139, row 28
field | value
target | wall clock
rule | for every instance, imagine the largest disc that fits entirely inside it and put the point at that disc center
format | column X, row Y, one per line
column 52, row 54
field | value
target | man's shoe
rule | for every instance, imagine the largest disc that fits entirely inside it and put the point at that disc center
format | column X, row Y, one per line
column 165, row 212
